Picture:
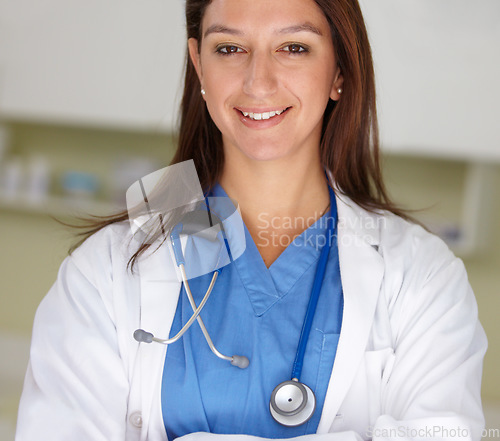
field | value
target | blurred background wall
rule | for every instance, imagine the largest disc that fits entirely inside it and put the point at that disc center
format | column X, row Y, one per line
column 88, row 93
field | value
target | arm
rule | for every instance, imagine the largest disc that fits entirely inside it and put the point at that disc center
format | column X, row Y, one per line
column 341, row 436
column 434, row 388
column 76, row 386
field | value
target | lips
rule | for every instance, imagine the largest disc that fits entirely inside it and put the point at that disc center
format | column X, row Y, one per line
column 265, row 115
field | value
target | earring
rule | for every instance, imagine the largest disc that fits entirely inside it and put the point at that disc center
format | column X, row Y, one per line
column 203, row 91
column 339, row 90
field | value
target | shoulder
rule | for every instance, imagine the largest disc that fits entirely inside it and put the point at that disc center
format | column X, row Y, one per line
column 409, row 252
column 106, row 239
column 90, row 278
column 105, row 253
column 382, row 227
column 422, row 279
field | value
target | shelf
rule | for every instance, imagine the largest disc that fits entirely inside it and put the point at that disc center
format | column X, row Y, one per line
column 469, row 234
column 58, row 206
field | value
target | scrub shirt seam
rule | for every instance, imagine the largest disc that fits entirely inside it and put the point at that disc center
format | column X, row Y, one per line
column 303, row 274
column 317, row 376
column 279, row 299
column 321, row 358
column 249, row 295
column 298, row 280
column 315, row 261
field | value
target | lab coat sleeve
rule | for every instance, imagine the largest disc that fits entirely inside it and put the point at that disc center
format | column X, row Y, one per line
column 433, row 389
column 203, row 436
column 76, row 387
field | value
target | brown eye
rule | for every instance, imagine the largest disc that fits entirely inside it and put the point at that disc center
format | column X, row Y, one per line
column 294, row 48
column 228, row 50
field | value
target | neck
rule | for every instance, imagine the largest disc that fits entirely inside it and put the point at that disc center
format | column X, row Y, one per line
column 277, row 188
column 278, row 199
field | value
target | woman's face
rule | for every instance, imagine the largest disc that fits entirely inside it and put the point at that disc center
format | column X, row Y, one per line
column 268, row 69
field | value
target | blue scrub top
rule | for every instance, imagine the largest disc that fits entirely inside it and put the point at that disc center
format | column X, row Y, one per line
column 256, row 312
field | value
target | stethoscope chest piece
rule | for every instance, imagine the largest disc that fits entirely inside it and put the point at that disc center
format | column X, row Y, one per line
column 292, row 403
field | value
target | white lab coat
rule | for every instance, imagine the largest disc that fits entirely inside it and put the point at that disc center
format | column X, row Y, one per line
column 408, row 364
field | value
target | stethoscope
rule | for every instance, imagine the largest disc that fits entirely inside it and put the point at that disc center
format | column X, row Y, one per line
column 199, row 222
column 292, row 403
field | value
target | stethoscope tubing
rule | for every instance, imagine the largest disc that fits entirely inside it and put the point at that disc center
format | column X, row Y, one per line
column 284, row 398
column 198, row 318
column 195, row 316
column 236, row 360
column 313, row 301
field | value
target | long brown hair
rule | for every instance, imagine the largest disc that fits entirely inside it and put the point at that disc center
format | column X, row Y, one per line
column 349, row 143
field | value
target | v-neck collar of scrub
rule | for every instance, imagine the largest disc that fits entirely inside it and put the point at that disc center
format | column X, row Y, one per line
column 266, row 286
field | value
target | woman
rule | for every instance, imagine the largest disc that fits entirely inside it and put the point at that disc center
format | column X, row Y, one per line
column 276, row 93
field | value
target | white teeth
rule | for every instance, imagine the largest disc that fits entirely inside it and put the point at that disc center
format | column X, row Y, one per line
column 261, row 116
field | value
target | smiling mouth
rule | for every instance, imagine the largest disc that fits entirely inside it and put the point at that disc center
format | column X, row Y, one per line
column 263, row 115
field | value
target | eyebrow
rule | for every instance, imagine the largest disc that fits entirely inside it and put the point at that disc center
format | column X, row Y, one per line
column 304, row 27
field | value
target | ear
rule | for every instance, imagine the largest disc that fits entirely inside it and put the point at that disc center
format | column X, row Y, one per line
column 194, row 55
column 337, row 84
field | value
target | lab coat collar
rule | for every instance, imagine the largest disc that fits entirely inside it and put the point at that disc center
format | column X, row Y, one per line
column 159, row 295
column 361, row 270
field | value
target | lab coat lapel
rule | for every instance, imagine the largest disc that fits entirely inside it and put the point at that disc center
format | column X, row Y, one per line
column 361, row 269
column 159, row 295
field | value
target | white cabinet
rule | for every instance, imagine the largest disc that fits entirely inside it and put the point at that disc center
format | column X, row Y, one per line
column 118, row 63
column 437, row 65
column 113, row 63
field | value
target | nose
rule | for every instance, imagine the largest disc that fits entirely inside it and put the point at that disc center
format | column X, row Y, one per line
column 261, row 79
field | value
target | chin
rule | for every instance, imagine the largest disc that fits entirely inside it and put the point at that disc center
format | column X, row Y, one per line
column 266, row 153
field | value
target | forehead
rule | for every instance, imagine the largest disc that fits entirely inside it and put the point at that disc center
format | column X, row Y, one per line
column 253, row 16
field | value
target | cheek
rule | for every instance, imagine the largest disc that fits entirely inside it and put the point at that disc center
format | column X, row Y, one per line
column 325, row 78
column 216, row 88
column 217, row 101
column 220, row 84
column 218, row 71
column 315, row 80
column 313, row 90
